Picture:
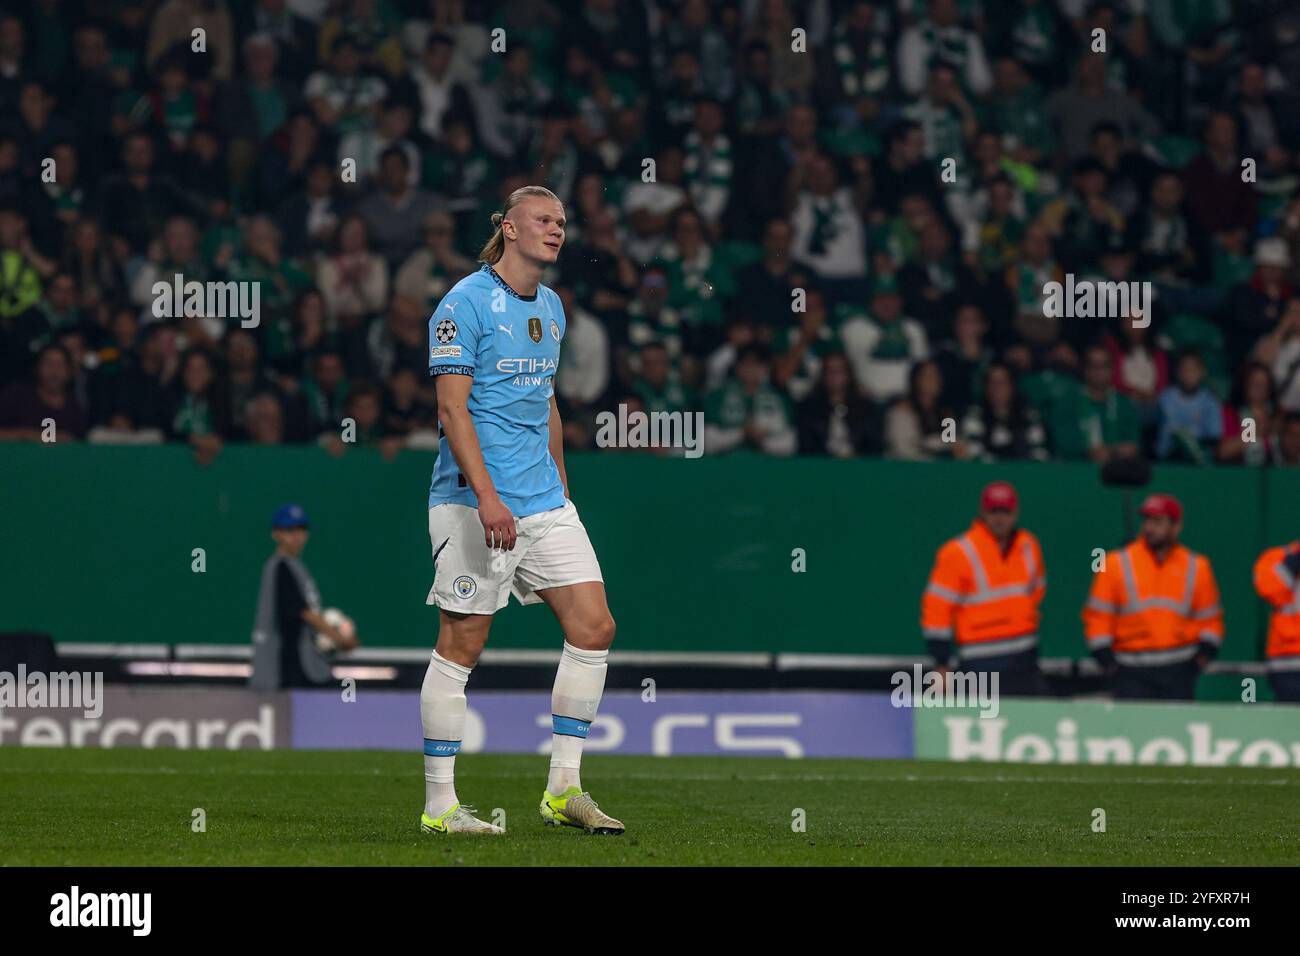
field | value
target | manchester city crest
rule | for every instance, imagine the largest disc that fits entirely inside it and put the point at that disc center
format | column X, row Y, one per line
column 555, row 330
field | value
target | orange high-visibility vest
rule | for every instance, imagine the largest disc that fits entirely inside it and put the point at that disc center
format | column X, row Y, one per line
column 1278, row 586
column 1151, row 613
column 986, row 598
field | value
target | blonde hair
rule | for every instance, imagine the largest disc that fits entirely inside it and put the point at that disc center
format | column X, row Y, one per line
column 495, row 247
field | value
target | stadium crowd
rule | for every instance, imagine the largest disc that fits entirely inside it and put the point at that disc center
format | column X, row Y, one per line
column 714, row 159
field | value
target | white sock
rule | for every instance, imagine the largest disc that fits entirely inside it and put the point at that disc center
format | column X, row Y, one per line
column 579, row 683
column 442, row 710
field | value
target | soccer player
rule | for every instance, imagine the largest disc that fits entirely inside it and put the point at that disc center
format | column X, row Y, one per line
column 500, row 518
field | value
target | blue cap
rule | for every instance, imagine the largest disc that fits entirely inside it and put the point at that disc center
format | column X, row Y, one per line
column 290, row 516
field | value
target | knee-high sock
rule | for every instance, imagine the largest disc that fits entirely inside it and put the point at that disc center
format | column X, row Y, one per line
column 442, row 710
column 579, row 682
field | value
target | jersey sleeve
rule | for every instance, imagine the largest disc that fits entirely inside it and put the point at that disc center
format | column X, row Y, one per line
column 561, row 319
column 455, row 331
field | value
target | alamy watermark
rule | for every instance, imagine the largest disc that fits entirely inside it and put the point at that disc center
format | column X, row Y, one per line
column 217, row 300
column 1086, row 299
column 131, row 911
column 73, row 690
column 638, row 429
column 919, row 688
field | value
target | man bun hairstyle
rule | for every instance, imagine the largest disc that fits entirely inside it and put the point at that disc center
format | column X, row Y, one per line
column 496, row 246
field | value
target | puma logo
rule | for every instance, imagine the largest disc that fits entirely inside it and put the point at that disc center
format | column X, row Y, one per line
column 508, row 331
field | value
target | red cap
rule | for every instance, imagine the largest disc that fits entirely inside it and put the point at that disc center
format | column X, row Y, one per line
column 999, row 494
column 1159, row 504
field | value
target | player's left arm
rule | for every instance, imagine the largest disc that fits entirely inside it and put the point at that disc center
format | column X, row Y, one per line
column 556, row 441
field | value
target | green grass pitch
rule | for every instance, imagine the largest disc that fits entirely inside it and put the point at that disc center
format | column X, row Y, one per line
column 134, row 807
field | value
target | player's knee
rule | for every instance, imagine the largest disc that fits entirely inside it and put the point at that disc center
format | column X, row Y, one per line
column 594, row 635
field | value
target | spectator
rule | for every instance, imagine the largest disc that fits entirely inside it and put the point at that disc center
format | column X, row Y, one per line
column 438, row 86
column 406, row 411
column 1083, row 223
column 1003, row 426
column 141, row 397
column 133, row 205
column 764, row 287
column 1280, row 352
column 919, row 426
column 747, row 412
column 1288, row 445
column 1076, row 110
column 941, row 37
column 651, row 319
column 1259, row 303
column 396, row 212
column 309, row 219
column 583, row 376
column 883, row 346
column 1141, row 367
column 836, row 419
column 657, row 387
column 354, row 280
column 1191, row 418
column 44, row 410
column 828, row 232
column 901, row 169
column 365, row 147
column 935, row 282
column 250, row 109
column 697, row 282
column 650, row 207
column 326, row 392
column 1097, row 423
column 172, row 29
column 964, row 358
column 1218, row 200
column 95, row 272
column 1250, row 422
column 245, row 381
column 435, row 267
column 708, row 163
column 342, row 98
column 197, row 410
column 801, row 346
column 263, row 416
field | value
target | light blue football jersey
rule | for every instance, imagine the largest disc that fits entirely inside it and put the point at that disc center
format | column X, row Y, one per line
column 511, row 345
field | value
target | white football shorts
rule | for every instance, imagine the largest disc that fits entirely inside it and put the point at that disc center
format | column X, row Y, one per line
column 551, row 550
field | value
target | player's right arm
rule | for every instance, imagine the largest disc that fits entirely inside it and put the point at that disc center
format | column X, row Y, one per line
column 454, row 333
column 453, row 412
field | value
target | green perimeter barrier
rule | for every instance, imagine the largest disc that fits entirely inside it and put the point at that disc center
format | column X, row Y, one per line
column 96, row 544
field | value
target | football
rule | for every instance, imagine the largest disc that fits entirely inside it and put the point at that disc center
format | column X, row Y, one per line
column 337, row 619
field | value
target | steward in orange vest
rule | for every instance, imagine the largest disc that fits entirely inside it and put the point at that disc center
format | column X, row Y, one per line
column 1153, row 618
column 984, row 594
column 1277, row 580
